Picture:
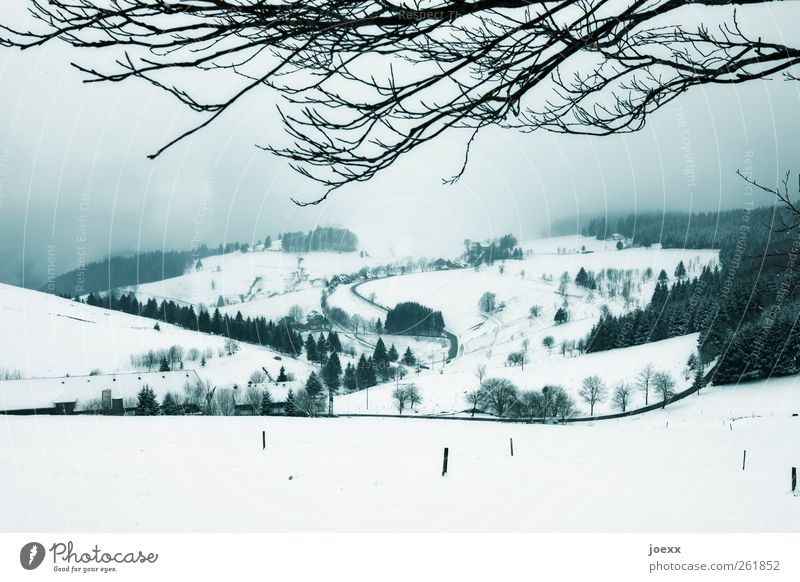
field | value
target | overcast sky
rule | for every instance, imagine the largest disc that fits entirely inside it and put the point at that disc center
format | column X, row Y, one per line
column 73, row 166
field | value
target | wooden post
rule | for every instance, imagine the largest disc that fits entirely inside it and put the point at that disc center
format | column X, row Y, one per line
column 511, row 443
column 444, row 462
column 744, row 459
column 794, row 478
column 263, row 440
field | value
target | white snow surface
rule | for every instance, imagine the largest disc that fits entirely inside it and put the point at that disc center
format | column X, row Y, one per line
column 48, row 336
column 675, row 470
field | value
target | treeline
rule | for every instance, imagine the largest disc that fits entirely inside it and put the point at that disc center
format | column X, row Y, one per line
column 499, row 249
column 701, row 230
column 122, row 271
column 745, row 311
column 411, row 318
column 339, row 240
column 280, row 336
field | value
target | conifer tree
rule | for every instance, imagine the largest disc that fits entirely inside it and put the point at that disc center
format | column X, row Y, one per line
column 164, row 365
column 266, row 402
column 311, row 349
column 169, row 406
column 362, row 372
column 146, row 405
column 380, row 356
column 334, row 342
column 282, row 377
column 408, row 357
column 291, row 409
column 332, row 370
column 313, row 385
column 349, row 380
column 393, row 355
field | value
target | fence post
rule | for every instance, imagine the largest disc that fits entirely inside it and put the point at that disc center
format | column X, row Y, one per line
column 794, row 478
column 744, row 459
column 444, row 462
column 263, row 440
column 511, row 444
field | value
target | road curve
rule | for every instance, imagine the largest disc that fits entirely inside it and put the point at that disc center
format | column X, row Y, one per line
column 452, row 352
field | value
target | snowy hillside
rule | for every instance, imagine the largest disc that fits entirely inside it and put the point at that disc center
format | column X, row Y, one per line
column 444, row 391
column 243, row 277
column 50, row 336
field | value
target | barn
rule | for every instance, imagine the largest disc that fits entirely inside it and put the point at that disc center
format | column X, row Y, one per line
column 102, row 393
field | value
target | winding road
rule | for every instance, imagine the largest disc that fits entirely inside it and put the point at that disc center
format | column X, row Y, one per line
column 452, row 352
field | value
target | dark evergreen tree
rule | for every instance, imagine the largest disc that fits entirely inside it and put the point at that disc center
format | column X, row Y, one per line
column 282, row 377
column 164, row 365
column 265, row 409
column 291, row 407
column 411, row 318
column 169, row 407
column 380, row 355
column 393, row 355
column 313, row 385
column 350, row 382
column 147, row 404
column 409, row 359
column 334, row 342
column 331, row 372
column 311, row 349
column 363, row 372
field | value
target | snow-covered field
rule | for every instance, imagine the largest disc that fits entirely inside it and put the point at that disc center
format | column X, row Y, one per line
column 45, row 335
column 673, row 470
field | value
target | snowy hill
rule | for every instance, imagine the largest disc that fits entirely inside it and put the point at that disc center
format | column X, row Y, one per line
column 49, row 336
column 444, row 390
column 238, row 278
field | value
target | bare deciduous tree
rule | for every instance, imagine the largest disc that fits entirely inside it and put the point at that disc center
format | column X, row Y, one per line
column 645, row 379
column 592, row 391
column 252, row 397
column 621, row 396
column 224, row 402
column 664, row 386
column 367, row 82
column 308, row 404
column 406, row 394
column 524, row 351
column 563, row 404
column 400, row 398
column 480, row 373
column 498, row 394
column 474, row 399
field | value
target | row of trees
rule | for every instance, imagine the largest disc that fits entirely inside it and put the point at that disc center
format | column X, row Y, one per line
column 280, row 336
column 340, row 240
column 411, row 318
column 503, row 399
column 499, row 249
column 202, row 398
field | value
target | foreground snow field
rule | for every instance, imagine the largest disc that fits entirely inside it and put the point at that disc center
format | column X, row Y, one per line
column 674, row 470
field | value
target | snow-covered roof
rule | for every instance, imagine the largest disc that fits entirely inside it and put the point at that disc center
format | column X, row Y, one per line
column 42, row 393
